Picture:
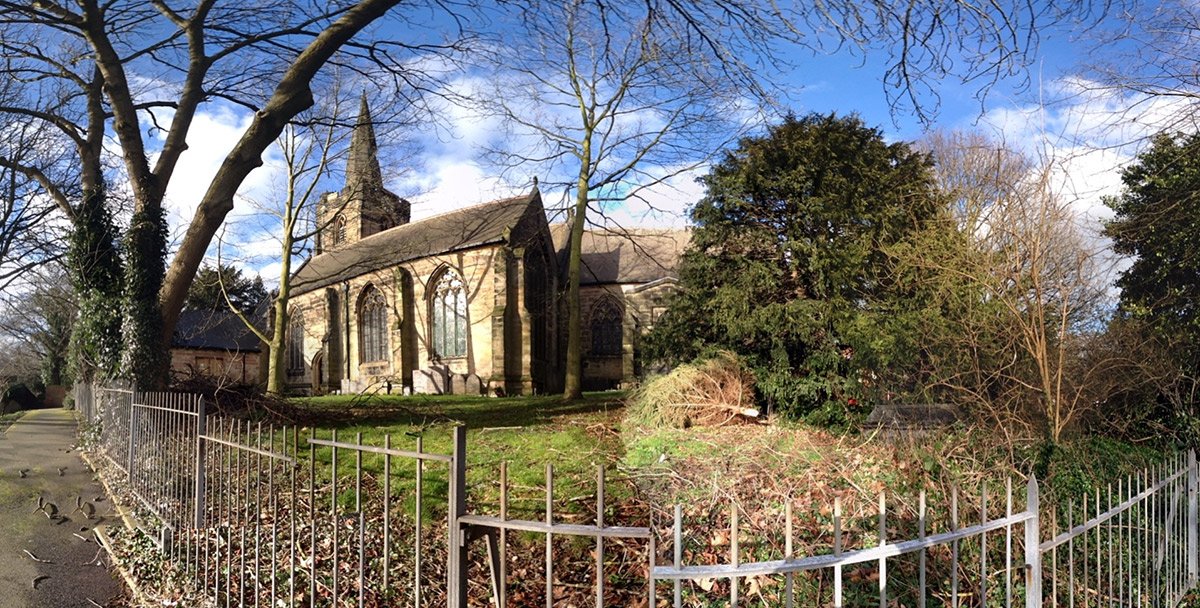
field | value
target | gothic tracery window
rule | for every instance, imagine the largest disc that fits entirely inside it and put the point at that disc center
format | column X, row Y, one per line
column 372, row 326
column 448, row 310
column 605, row 325
column 295, row 345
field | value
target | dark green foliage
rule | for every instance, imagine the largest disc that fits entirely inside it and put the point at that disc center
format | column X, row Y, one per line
column 145, row 359
column 790, row 266
column 244, row 292
column 94, row 266
column 21, row 394
column 1157, row 223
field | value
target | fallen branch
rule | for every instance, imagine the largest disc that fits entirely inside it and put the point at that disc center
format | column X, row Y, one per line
column 36, row 558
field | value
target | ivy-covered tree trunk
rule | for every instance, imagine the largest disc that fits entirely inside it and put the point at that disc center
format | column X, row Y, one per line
column 145, row 360
column 95, row 270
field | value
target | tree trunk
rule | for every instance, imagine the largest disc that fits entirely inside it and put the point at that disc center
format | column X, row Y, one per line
column 94, row 262
column 573, row 382
column 277, row 363
column 146, row 359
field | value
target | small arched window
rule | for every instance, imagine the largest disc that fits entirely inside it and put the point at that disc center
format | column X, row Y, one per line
column 337, row 231
column 605, row 325
column 448, row 309
column 372, row 326
column 295, row 344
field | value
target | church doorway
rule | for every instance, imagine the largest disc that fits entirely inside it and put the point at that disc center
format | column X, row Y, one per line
column 318, row 374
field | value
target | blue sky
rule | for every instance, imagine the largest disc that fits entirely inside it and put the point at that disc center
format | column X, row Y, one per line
column 446, row 172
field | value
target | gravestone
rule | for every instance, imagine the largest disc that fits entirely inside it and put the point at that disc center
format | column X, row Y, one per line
column 909, row 419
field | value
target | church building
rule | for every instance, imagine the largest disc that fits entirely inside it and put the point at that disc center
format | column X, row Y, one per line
column 466, row 302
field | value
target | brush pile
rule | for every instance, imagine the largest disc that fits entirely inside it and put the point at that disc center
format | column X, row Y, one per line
column 713, row 392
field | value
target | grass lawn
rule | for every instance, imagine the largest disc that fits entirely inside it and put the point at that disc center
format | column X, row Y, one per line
column 763, row 465
column 526, row 432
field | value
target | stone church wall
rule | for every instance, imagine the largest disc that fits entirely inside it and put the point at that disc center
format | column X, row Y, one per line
column 641, row 305
column 469, row 374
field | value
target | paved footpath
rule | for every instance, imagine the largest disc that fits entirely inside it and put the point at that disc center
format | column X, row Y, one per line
column 37, row 459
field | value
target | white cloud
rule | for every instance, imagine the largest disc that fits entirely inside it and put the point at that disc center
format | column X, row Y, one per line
column 665, row 204
column 453, row 182
column 1090, row 134
column 214, row 131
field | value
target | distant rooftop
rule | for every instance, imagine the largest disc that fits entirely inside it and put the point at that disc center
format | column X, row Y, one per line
column 214, row 330
column 635, row 255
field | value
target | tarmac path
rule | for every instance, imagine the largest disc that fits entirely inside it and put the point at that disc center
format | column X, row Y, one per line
column 50, row 562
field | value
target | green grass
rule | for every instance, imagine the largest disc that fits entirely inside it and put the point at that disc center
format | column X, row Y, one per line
column 526, row 432
column 6, row 420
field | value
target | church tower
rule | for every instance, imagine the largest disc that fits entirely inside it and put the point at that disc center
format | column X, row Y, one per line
column 363, row 207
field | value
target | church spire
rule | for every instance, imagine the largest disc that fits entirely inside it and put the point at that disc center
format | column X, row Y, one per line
column 364, row 179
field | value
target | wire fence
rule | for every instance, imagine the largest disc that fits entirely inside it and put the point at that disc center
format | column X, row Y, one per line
column 257, row 515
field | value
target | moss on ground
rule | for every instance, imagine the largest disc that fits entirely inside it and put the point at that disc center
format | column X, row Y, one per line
column 6, row 420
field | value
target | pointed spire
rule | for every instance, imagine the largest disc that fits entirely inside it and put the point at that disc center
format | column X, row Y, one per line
column 363, row 175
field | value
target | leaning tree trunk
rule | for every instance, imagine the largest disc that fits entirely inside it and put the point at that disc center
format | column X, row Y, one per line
column 292, row 95
column 277, row 359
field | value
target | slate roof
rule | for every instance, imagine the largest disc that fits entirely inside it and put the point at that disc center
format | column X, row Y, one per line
column 214, row 330
column 461, row 229
column 638, row 255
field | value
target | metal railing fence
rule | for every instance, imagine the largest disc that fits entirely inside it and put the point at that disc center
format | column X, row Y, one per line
column 1135, row 545
column 257, row 515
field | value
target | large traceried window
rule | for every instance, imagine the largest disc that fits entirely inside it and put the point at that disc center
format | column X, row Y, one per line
column 448, row 309
column 605, row 327
column 372, row 326
column 295, row 345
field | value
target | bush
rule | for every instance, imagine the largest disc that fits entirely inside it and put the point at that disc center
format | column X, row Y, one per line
column 709, row 392
column 18, row 396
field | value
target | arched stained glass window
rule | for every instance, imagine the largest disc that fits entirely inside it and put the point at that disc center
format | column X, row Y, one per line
column 295, row 344
column 372, row 326
column 605, row 327
column 448, row 309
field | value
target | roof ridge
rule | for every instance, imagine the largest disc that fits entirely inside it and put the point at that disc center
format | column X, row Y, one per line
column 497, row 201
column 618, row 233
column 393, row 229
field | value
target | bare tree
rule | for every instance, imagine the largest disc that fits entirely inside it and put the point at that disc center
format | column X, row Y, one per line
column 1024, row 286
column 91, row 68
column 32, row 229
column 309, row 151
column 1143, row 68
column 608, row 100
column 37, row 320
